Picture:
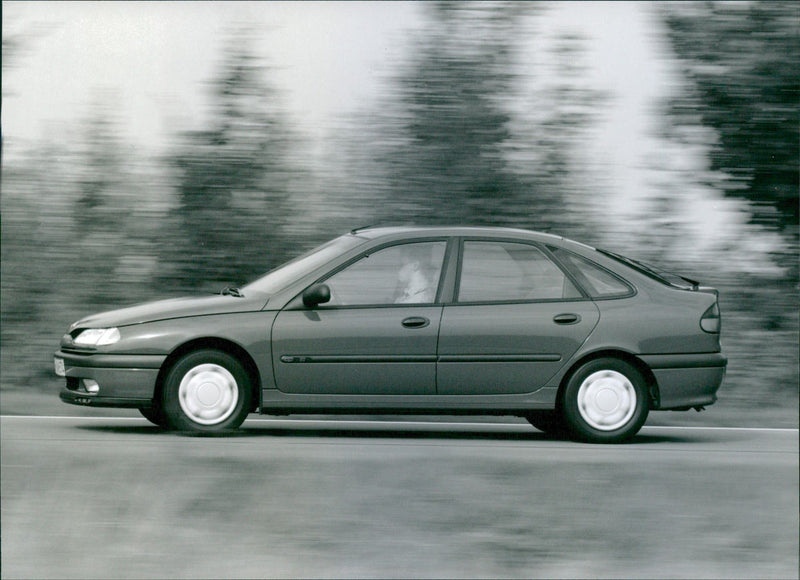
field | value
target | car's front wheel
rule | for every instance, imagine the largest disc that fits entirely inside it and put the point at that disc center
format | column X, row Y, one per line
column 206, row 391
column 605, row 401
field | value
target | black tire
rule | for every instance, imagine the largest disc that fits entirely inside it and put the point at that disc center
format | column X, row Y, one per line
column 206, row 391
column 550, row 422
column 605, row 401
column 155, row 415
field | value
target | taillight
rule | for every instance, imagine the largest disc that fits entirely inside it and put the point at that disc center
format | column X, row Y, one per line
column 711, row 322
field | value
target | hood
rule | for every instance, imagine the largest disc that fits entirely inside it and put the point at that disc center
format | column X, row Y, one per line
column 173, row 308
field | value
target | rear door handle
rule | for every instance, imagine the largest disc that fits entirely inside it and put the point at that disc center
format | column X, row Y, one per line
column 416, row 322
column 566, row 319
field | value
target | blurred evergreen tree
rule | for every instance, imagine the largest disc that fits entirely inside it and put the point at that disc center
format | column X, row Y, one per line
column 743, row 60
column 100, row 175
column 445, row 160
column 100, row 208
column 233, row 182
column 558, row 116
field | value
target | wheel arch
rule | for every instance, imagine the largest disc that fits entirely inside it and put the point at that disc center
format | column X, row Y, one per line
column 631, row 359
column 213, row 343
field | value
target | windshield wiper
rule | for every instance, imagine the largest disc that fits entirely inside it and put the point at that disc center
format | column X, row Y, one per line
column 232, row 291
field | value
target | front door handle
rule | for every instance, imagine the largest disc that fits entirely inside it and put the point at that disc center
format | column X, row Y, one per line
column 566, row 319
column 416, row 322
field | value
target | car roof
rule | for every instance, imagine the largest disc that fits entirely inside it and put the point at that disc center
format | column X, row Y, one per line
column 374, row 232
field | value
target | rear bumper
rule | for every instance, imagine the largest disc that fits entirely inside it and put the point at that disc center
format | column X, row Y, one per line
column 124, row 380
column 686, row 381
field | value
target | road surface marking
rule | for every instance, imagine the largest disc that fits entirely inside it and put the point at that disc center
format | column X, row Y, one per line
column 393, row 423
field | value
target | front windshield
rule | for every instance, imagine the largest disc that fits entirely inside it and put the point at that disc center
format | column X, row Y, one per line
column 284, row 275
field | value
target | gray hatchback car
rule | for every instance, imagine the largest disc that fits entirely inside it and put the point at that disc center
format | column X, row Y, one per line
column 445, row 320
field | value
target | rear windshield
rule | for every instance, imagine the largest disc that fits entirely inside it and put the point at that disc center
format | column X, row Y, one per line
column 654, row 272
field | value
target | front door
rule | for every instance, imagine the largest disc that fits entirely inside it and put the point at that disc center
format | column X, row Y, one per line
column 376, row 336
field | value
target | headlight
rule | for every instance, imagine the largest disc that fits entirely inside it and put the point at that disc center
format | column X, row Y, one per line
column 97, row 337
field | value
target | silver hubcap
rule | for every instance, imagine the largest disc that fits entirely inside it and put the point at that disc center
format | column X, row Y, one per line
column 208, row 394
column 606, row 400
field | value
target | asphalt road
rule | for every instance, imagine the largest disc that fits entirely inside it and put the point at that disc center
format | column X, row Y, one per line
column 117, row 498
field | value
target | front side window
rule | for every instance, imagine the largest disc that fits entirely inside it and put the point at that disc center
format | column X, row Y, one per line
column 507, row 271
column 403, row 274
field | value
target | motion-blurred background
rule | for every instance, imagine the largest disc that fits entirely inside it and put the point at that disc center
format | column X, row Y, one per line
column 158, row 148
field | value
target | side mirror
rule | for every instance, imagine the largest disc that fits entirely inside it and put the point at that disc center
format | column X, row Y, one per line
column 316, row 294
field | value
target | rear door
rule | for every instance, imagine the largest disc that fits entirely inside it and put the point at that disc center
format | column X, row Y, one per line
column 516, row 319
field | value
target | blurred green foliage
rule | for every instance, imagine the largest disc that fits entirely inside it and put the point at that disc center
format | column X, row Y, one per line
column 450, row 126
column 743, row 60
column 92, row 223
column 232, row 183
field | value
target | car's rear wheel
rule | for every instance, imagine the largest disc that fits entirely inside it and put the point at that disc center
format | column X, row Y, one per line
column 605, row 401
column 206, row 391
column 154, row 414
column 551, row 422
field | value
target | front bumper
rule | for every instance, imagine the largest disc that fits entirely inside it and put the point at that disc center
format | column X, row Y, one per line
column 124, row 380
column 687, row 380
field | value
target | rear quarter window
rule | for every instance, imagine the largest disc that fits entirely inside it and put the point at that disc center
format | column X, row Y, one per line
column 598, row 282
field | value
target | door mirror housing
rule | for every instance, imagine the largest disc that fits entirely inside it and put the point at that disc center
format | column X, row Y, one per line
column 316, row 294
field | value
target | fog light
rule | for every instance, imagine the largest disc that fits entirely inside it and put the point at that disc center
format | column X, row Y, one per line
column 91, row 386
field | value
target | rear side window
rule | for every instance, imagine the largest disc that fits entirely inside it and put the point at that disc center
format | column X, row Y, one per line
column 505, row 271
column 597, row 281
